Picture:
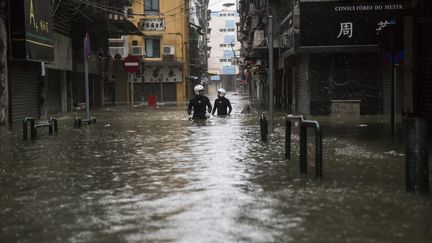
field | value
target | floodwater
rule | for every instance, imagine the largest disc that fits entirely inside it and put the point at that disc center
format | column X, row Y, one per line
column 151, row 175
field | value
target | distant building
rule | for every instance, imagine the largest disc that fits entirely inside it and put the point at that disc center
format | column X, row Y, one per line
column 162, row 48
column 224, row 49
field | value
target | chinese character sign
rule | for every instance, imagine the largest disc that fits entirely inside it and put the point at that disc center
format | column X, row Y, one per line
column 38, row 30
column 152, row 24
column 346, row 23
column 346, row 29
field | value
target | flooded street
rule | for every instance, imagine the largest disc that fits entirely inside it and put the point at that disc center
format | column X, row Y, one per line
column 151, row 175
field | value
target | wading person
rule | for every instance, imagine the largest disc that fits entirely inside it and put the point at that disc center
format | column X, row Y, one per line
column 221, row 104
column 200, row 104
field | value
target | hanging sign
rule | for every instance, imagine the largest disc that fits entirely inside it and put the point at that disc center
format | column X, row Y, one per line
column 152, row 24
column 32, row 30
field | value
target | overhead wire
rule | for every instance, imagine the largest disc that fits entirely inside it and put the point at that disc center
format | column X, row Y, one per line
column 110, row 8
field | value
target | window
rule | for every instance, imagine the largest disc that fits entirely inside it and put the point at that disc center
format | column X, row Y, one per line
column 152, row 47
column 222, row 30
column 228, row 69
column 228, row 54
column 231, row 30
column 151, row 7
column 230, row 24
column 229, row 39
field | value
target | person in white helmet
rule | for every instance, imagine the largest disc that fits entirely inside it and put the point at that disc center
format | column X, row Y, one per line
column 200, row 104
column 221, row 104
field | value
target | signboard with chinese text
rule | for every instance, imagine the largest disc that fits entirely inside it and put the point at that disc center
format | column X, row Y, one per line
column 153, row 74
column 346, row 23
column 152, row 24
column 32, row 30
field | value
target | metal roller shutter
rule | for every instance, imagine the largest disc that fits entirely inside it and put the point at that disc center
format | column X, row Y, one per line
column 25, row 90
column 425, row 66
column 54, row 91
column 169, row 91
column 302, row 85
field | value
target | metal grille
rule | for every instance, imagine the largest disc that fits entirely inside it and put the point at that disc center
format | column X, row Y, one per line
column 54, row 91
column 25, row 90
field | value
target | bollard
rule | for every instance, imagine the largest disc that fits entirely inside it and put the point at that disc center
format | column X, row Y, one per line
column 288, row 124
column 287, row 139
column 318, row 147
column 53, row 122
column 77, row 122
column 263, row 128
column 25, row 128
column 416, row 155
column 303, row 149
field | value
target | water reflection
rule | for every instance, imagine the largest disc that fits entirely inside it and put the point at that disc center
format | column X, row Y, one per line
column 152, row 175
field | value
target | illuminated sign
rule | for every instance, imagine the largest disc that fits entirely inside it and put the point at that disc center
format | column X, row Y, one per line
column 32, row 33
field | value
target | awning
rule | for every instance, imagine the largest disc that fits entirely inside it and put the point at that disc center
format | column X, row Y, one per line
column 118, row 25
column 117, row 28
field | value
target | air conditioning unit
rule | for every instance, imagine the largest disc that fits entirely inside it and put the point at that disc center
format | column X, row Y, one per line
column 168, row 50
column 259, row 40
column 137, row 50
column 117, row 50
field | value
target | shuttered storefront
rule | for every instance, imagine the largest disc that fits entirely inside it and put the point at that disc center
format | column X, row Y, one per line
column 54, row 91
column 168, row 89
column 424, row 64
column 302, row 85
column 25, row 90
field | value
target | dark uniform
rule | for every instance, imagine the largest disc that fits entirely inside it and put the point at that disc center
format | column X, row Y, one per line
column 199, row 104
column 221, row 104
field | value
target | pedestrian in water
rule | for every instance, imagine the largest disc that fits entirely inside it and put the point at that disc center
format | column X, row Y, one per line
column 200, row 104
column 221, row 104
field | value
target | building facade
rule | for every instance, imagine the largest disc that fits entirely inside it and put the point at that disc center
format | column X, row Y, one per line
column 42, row 74
column 224, row 49
column 162, row 50
column 374, row 53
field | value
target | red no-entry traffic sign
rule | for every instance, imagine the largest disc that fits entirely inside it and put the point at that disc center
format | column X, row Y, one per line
column 131, row 64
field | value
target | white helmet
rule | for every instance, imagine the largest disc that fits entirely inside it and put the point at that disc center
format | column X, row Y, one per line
column 221, row 92
column 198, row 88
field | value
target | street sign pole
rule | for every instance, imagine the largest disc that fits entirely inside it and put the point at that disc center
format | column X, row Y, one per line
column 131, row 65
column 161, row 87
column 132, row 89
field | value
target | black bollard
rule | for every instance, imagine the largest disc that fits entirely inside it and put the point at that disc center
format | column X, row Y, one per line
column 77, row 122
column 287, row 139
column 303, row 149
column 25, row 129
column 50, row 128
column 53, row 122
column 33, row 133
column 416, row 155
column 318, row 152
column 264, row 128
